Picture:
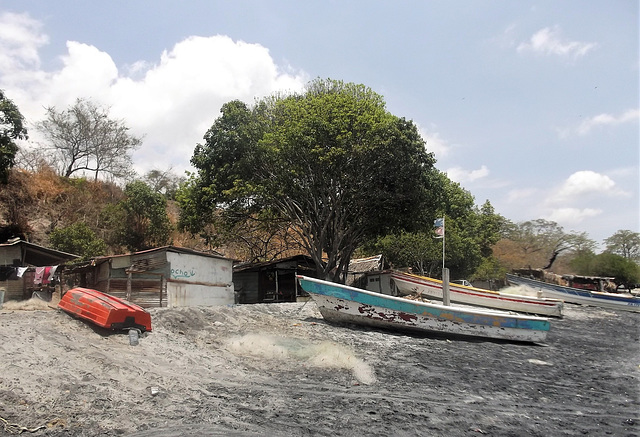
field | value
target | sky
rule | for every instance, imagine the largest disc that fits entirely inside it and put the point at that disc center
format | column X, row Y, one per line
column 531, row 105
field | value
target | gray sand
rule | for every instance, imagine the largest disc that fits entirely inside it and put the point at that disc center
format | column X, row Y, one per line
column 279, row 369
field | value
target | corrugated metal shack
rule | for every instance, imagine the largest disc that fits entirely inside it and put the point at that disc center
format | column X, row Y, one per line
column 22, row 265
column 273, row 281
column 163, row 277
column 368, row 274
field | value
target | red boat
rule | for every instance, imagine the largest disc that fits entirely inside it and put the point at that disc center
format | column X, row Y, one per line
column 104, row 310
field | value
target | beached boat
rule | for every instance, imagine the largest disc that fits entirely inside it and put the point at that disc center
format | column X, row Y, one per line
column 619, row 301
column 104, row 310
column 407, row 283
column 343, row 304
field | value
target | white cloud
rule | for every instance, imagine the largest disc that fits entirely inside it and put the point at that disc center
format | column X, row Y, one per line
column 20, row 39
column 631, row 115
column 171, row 104
column 435, row 144
column 460, row 175
column 583, row 184
column 548, row 41
column 522, row 194
column 572, row 216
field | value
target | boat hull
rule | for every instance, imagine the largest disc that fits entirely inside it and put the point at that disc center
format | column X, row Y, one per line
column 341, row 304
column 424, row 286
column 104, row 310
column 578, row 296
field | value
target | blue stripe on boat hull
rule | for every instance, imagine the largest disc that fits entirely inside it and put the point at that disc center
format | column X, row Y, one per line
column 583, row 297
column 341, row 303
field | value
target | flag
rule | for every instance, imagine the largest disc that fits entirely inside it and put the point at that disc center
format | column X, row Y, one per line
column 438, row 226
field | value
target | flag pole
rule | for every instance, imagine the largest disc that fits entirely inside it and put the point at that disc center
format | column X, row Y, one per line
column 443, row 237
column 438, row 224
column 446, row 299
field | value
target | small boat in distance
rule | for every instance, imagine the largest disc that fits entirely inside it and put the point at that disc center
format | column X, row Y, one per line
column 104, row 310
column 616, row 301
column 408, row 283
column 343, row 304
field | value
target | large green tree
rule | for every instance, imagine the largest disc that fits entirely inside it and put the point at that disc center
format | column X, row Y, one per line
column 470, row 232
column 140, row 220
column 331, row 161
column 78, row 239
column 11, row 128
column 625, row 271
column 416, row 250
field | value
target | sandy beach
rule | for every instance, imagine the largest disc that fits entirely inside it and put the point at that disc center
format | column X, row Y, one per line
column 279, row 369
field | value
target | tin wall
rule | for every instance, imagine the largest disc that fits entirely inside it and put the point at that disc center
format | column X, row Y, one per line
column 199, row 280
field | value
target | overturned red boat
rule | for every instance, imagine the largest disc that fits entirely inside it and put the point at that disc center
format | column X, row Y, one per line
column 104, row 310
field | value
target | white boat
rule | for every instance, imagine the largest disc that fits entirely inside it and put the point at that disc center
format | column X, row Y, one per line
column 616, row 301
column 343, row 304
column 408, row 283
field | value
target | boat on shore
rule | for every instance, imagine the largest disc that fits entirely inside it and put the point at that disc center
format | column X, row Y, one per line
column 407, row 283
column 104, row 310
column 582, row 296
column 343, row 304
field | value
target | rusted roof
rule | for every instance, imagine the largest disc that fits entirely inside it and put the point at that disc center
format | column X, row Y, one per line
column 368, row 264
column 306, row 259
column 36, row 255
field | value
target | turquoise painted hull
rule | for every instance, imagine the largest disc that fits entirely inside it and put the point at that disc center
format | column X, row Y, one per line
column 339, row 303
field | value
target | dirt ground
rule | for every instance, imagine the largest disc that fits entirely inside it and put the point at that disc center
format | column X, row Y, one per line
column 279, row 369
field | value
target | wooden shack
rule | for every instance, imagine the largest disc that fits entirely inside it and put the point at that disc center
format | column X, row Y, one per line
column 273, row 281
column 23, row 266
column 163, row 277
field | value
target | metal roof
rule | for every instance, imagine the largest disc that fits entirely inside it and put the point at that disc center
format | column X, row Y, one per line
column 39, row 256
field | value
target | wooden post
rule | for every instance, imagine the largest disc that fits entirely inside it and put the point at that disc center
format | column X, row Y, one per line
column 445, row 287
column 129, row 278
column 163, row 284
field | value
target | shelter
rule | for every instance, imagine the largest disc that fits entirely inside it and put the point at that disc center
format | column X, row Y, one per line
column 26, row 268
column 358, row 269
column 163, row 277
column 273, row 281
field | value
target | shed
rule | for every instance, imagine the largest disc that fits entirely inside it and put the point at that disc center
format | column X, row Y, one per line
column 163, row 277
column 22, row 267
column 356, row 275
column 273, row 281
column 380, row 282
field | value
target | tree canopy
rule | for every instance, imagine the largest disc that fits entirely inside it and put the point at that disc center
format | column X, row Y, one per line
column 84, row 139
column 331, row 160
column 140, row 220
column 11, row 128
column 625, row 243
column 541, row 241
column 607, row 264
column 470, row 233
column 78, row 239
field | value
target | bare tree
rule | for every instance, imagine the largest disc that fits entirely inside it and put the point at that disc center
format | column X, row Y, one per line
column 84, row 139
column 625, row 243
column 165, row 182
column 547, row 240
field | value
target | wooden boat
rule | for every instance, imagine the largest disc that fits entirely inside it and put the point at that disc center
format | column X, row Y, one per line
column 343, row 304
column 407, row 283
column 104, row 310
column 617, row 301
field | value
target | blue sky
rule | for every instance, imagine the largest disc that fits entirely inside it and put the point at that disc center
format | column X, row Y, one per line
column 532, row 105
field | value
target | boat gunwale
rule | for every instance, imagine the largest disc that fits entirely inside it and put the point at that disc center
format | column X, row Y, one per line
column 591, row 294
column 482, row 293
column 112, row 302
column 441, row 307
